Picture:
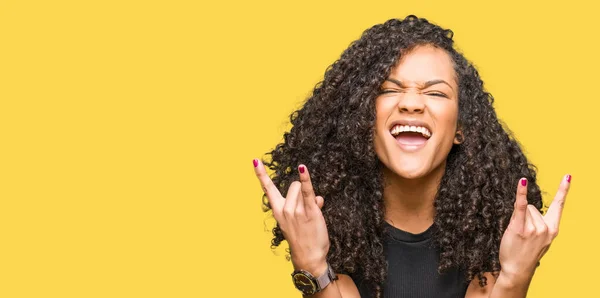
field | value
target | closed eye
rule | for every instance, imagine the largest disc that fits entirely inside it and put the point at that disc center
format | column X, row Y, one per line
column 388, row 91
column 437, row 94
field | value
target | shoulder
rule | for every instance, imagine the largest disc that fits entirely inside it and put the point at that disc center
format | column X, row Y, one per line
column 347, row 286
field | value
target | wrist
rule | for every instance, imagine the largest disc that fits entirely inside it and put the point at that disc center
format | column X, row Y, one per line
column 513, row 280
column 316, row 268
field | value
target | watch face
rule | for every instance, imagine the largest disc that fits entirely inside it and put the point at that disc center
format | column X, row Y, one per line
column 304, row 284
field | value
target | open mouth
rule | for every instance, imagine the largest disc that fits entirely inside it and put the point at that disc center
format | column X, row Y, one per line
column 410, row 135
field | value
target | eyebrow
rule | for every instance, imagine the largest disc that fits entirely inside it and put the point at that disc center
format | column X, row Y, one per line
column 424, row 85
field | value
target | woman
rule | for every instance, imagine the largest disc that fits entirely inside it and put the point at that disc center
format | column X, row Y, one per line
column 415, row 189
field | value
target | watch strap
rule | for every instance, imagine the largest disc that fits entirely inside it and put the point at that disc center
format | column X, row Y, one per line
column 326, row 278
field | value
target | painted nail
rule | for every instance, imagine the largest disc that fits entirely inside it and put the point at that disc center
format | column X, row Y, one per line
column 302, row 169
column 255, row 162
column 523, row 181
column 569, row 178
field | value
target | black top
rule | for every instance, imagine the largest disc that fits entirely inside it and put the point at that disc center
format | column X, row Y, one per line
column 412, row 269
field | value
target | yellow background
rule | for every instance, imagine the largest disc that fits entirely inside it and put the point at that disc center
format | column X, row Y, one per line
column 127, row 130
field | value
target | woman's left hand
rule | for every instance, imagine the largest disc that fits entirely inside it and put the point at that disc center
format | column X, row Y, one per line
column 529, row 234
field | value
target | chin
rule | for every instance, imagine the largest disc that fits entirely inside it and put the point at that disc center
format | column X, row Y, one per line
column 410, row 171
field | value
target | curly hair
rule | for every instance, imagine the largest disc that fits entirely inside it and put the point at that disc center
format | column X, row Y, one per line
column 332, row 134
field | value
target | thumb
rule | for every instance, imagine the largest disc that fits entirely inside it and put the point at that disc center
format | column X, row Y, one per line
column 319, row 200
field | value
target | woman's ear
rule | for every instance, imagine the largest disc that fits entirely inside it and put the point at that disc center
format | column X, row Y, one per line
column 459, row 137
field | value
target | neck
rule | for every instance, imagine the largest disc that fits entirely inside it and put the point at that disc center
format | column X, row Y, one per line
column 409, row 202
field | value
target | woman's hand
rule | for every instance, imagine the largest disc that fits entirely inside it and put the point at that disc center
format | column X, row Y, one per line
column 300, row 219
column 529, row 234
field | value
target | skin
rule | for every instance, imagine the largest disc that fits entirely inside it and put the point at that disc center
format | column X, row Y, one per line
column 414, row 176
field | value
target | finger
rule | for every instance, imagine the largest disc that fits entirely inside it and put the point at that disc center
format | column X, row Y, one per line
column 291, row 200
column 320, row 201
column 520, row 211
column 299, row 213
column 307, row 189
column 536, row 218
column 554, row 213
column 276, row 201
column 529, row 228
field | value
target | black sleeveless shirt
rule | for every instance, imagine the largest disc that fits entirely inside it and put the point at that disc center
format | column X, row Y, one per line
column 412, row 269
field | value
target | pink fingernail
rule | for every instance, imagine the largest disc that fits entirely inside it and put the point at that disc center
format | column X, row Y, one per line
column 523, row 181
column 569, row 178
column 302, row 169
column 255, row 162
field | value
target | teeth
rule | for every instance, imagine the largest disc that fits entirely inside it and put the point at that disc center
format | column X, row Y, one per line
column 397, row 129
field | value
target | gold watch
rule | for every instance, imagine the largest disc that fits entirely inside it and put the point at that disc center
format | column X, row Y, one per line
column 308, row 284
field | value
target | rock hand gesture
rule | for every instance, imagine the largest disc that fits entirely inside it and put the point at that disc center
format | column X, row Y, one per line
column 300, row 219
column 527, row 238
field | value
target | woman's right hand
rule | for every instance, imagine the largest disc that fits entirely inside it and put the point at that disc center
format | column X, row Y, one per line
column 300, row 219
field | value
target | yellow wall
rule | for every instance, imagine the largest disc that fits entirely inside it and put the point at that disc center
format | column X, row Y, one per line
column 127, row 130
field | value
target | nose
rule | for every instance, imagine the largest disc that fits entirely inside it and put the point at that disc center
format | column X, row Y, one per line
column 411, row 103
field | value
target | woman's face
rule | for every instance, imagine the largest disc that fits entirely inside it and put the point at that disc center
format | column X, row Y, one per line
column 417, row 113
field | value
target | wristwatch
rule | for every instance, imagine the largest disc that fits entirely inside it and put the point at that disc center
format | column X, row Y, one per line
column 310, row 285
